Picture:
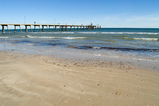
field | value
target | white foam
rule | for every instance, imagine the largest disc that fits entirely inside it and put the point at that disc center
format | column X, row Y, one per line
column 29, row 36
column 62, row 32
column 97, row 55
column 96, row 47
column 67, row 32
column 89, row 32
column 72, row 37
column 30, row 44
column 147, row 39
column 48, row 37
column 112, row 33
column 129, row 33
column 3, row 37
column 55, row 32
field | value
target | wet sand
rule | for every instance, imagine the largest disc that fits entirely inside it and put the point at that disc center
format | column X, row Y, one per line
column 27, row 80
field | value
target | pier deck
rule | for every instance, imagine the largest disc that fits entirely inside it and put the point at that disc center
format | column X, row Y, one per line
column 42, row 26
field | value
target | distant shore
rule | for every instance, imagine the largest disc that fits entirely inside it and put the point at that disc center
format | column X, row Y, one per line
column 47, row 80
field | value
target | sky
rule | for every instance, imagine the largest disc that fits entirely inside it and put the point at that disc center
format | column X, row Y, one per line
column 107, row 13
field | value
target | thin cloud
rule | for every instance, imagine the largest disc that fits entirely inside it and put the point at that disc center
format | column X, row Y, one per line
column 144, row 18
column 146, row 21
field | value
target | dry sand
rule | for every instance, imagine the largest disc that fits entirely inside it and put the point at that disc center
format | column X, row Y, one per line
column 44, row 81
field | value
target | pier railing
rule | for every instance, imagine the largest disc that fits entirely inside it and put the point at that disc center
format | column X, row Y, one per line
column 48, row 26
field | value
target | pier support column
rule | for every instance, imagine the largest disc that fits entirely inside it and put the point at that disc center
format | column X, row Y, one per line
column 3, row 31
column 31, row 29
column 20, row 28
column 61, row 28
column 90, row 27
column 14, row 28
column 70, row 27
column 65, row 28
column 42, row 28
column 80, row 27
column 34, row 28
column 26, row 30
column 47, row 28
column 74, row 27
column 8, row 29
column 39, row 28
column 55, row 28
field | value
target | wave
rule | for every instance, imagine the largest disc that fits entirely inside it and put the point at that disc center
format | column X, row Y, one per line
column 114, row 48
column 72, row 37
column 3, row 37
column 89, row 32
column 148, row 33
column 147, row 39
column 29, row 36
column 48, row 37
column 129, row 33
column 63, row 32
column 144, row 39
column 30, row 44
column 54, row 32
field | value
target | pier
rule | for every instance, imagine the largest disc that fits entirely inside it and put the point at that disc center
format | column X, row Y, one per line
column 48, row 26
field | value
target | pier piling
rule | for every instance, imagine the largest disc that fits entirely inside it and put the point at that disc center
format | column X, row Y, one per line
column 31, row 29
column 42, row 28
column 47, row 28
column 19, row 28
column 14, row 28
column 26, row 30
column 8, row 29
column 3, row 31
column 65, row 28
column 70, row 27
column 55, row 28
column 34, row 28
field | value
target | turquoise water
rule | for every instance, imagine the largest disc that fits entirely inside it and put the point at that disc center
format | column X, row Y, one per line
column 142, row 43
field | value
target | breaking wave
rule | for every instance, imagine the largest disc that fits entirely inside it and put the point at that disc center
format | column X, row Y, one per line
column 148, row 33
column 49, row 37
column 129, row 33
column 144, row 39
column 147, row 39
column 114, row 48
column 89, row 32
column 3, row 37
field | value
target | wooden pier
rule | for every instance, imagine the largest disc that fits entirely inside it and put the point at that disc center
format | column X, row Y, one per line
column 47, row 26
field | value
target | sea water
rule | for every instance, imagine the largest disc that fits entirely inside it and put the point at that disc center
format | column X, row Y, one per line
column 128, row 43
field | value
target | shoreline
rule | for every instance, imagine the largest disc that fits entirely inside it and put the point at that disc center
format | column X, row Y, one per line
column 97, row 56
column 50, row 80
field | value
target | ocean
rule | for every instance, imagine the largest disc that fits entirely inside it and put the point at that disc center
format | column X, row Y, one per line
column 127, row 43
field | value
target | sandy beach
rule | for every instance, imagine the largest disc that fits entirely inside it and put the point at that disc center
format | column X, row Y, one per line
column 27, row 80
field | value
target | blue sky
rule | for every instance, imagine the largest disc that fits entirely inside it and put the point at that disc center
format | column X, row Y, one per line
column 107, row 13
